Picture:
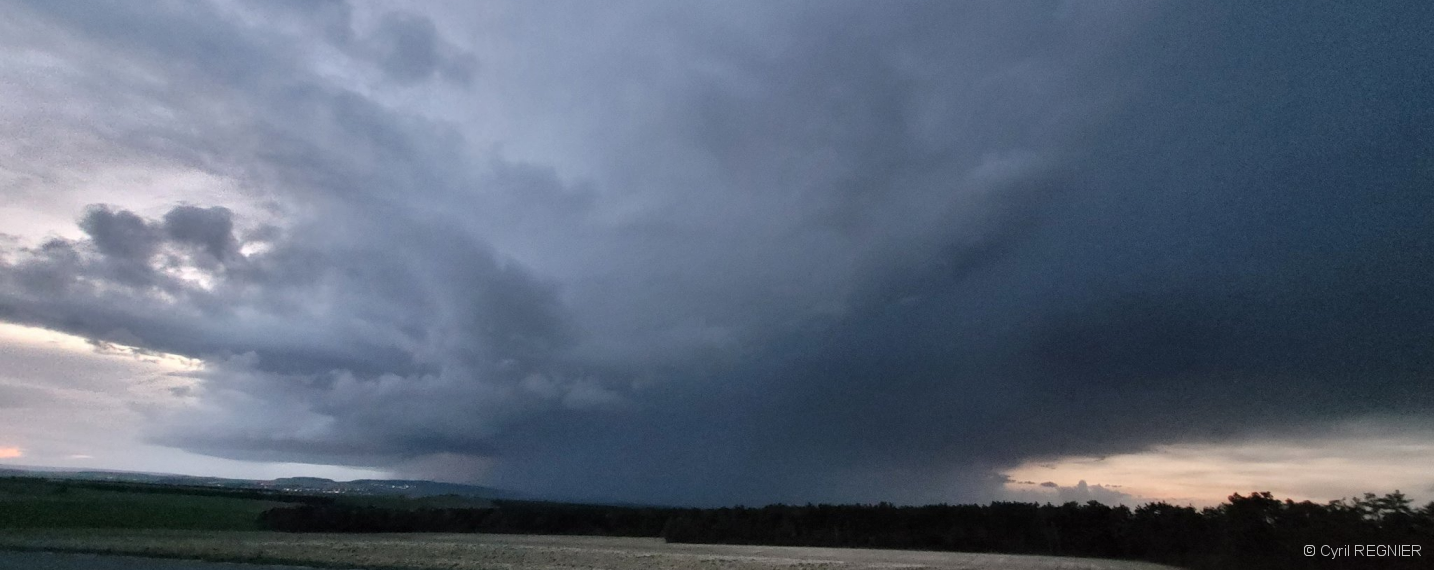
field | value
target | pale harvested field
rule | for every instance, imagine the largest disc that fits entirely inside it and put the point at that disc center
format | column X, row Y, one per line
column 515, row 552
column 72, row 561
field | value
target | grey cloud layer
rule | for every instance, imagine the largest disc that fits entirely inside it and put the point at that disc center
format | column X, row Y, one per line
column 839, row 252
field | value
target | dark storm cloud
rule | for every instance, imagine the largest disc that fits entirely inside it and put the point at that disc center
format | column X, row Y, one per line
column 120, row 234
column 844, row 252
column 125, row 241
column 1131, row 293
column 210, row 229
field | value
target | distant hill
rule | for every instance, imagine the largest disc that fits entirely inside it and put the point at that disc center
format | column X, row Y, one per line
column 304, row 485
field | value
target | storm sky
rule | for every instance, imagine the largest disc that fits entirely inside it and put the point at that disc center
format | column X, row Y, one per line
column 722, row 252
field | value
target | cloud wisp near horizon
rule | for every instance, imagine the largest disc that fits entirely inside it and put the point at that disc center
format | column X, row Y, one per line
column 735, row 252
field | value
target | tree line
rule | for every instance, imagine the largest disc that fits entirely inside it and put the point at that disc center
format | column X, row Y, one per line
column 1254, row 531
column 45, row 486
column 506, row 517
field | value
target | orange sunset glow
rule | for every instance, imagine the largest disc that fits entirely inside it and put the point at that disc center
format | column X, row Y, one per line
column 1315, row 468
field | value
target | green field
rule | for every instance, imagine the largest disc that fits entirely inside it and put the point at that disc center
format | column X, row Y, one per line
column 32, row 503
